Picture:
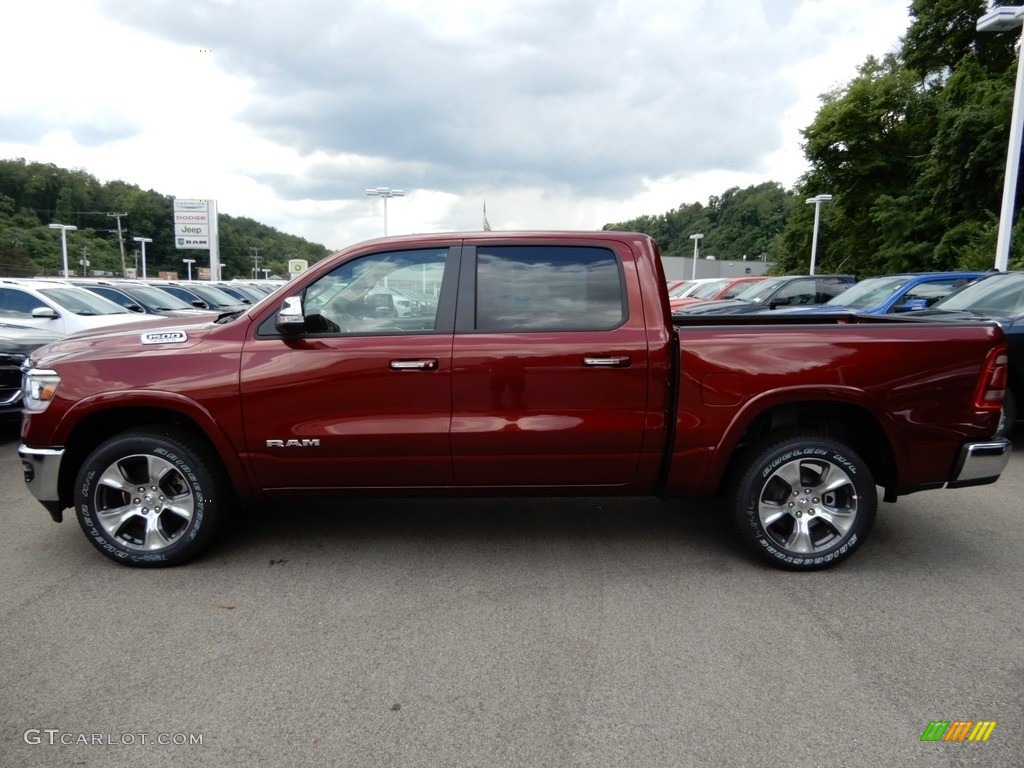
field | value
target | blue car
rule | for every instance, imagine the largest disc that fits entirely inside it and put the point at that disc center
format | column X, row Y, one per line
column 908, row 292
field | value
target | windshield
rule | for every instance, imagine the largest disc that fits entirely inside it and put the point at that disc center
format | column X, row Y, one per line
column 82, row 302
column 758, row 291
column 682, row 290
column 998, row 295
column 709, row 290
column 154, row 298
column 868, row 293
column 215, row 297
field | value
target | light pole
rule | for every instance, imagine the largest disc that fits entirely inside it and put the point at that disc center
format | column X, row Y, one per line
column 143, row 240
column 384, row 193
column 189, row 263
column 64, row 242
column 817, row 201
column 696, row 252
column 1004, row 19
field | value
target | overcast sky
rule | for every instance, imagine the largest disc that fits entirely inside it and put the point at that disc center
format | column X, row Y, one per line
column 559, row 114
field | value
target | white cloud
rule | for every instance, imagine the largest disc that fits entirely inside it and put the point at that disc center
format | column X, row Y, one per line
column 558, row 113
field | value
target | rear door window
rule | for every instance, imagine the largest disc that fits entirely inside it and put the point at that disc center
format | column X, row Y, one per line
column 541, row 288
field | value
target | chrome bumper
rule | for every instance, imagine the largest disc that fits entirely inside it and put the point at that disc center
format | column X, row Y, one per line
column 42, row 471
column 981, row 463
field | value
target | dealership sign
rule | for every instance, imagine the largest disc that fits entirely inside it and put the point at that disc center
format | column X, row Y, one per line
column 192, row 223
column 195, row 227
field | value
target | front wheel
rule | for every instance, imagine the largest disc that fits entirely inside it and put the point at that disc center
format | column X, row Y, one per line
column 803, row 501
column 151, row 497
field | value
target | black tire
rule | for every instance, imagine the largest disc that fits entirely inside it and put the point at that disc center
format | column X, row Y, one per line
column 803, row 501
column 152, row 497
column 1008, row 416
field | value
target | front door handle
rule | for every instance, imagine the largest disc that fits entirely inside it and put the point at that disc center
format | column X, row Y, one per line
column 414, row 365
column 615, row 361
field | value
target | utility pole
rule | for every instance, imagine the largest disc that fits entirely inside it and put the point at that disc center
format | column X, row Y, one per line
column 120, row 239
column 85, row 261
column 255, row 261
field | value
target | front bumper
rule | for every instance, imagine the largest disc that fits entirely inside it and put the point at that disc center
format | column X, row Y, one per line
column 981, row 463
column 42, row 472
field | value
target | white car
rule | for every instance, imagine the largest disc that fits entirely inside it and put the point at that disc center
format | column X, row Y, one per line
column 58, row 307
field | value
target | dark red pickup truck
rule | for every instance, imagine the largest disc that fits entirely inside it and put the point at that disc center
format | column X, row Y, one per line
column 496, row 363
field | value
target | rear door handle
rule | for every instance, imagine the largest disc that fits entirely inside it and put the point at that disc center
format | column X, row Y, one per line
column 615, row 361
column 414, row 365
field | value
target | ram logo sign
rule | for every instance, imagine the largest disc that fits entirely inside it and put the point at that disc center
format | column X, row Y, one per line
column 306, row 442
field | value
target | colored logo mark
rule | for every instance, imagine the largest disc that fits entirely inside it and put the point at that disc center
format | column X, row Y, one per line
column 958, row 730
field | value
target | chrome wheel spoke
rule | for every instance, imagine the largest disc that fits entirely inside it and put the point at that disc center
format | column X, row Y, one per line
column 800, row 540
column 840, row 522
column 155, row 536
column 771, row 513
column 114, row 478
column 113, row 519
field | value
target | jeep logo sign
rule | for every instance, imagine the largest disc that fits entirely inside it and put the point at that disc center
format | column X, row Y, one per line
column 164, row 337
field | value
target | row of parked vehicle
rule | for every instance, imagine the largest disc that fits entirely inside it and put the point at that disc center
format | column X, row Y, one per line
column 934, row 296
column 34, row 312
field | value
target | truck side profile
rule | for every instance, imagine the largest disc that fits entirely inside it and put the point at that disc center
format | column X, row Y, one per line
column 531, row 363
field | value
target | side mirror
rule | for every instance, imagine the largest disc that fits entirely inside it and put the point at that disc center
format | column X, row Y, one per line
column 47, row 313
column 912, row 305
column 290, row 319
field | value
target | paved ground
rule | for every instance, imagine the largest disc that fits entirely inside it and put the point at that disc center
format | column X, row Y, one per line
column 514, row 633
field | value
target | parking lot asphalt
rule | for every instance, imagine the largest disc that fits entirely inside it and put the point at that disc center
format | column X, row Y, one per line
column 510, row 632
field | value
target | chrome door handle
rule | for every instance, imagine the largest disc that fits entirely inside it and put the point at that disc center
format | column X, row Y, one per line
column 616, row 361
column 414, row 365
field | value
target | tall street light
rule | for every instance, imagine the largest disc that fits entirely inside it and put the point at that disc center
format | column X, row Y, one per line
column 696, row 253
column 143, row 240
column 384, row 193
column 189, row 263
column 64, row 243
column 1004, row 19
column 817, row 200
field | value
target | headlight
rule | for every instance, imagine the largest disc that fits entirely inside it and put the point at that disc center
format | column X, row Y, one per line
column 38, row 388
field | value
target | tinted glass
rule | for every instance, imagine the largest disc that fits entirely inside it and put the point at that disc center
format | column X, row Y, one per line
column 391, row 292
column 534, row 288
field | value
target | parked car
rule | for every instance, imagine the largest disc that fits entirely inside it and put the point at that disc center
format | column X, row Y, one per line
column 722, row 288
column 202, row 295
column 58, row 307
column 244, row 292
column 909, row 292
column 999, row 297
column 139, row 297
column 686, row 287
column 15, row 344
column 774, row 292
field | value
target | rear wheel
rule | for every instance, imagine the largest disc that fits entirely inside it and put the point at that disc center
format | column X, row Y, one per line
column 1008, row 416
column 151, row 497
column 803, row 501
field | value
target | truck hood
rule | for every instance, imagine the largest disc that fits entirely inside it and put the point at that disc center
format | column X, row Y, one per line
column 125, row 340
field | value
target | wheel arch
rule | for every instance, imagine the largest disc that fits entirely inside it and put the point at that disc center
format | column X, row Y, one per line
column 100, row 425
column 847, row 422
